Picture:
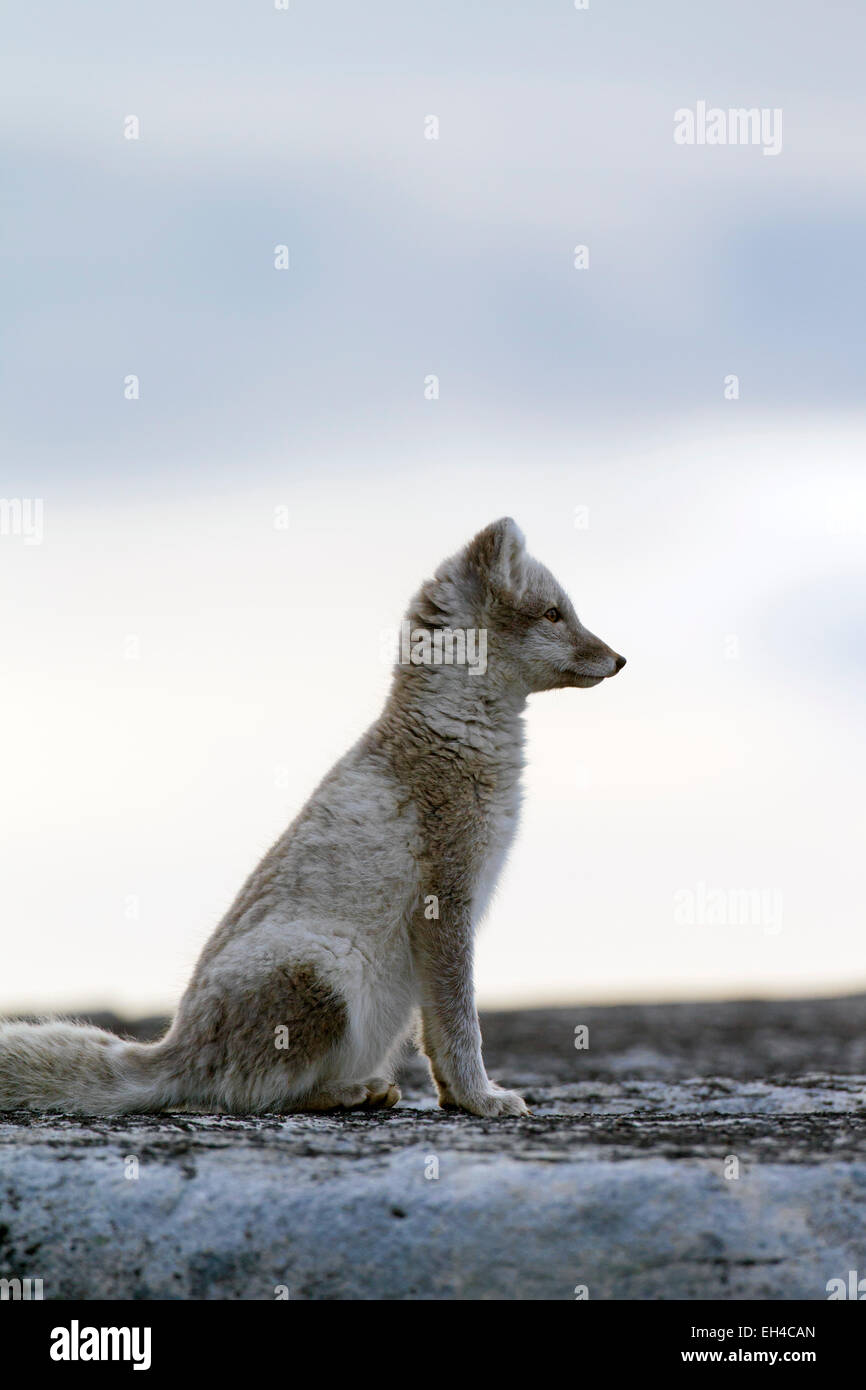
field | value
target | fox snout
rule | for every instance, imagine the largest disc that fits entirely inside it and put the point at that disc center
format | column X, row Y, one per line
column 596, row 661
column 613, row 661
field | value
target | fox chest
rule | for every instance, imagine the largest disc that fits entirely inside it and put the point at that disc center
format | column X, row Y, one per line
column 500, row 824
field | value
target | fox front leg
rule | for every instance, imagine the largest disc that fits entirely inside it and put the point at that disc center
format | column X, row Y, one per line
column 450, row 1034
column 425, row 1041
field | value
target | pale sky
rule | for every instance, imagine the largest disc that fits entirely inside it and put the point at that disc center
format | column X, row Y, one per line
column 729, row 753
column 177, row 673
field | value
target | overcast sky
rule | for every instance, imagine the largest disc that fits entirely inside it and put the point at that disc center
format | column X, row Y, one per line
column 178, row 672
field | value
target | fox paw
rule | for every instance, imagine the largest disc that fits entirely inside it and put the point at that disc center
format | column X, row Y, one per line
column 337, row 1095
column 381, row 1094
column 490, row 1104
column 374, row 1094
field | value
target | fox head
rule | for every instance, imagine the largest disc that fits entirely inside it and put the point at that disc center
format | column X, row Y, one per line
column 535, row 640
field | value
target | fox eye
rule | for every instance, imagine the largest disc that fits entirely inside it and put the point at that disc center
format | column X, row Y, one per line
column 553, row 615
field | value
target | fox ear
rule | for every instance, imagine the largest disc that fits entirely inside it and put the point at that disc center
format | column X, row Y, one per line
column 493, row 560
column 498, row 553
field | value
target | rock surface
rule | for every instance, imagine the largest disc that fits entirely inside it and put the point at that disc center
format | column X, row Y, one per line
column 692, row 1152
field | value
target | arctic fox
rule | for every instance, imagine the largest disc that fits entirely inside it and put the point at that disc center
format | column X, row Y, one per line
column 359, row 922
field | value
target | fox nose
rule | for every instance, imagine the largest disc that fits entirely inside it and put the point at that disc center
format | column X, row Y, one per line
column 618, row 664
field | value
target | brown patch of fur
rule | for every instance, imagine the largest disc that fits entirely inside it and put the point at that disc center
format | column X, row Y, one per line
column 221, row 1042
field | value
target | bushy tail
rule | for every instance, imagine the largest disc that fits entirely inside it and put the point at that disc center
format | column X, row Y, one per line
column 79, row 1068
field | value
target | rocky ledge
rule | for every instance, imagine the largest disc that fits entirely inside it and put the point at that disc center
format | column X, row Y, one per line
column 690, row 1151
